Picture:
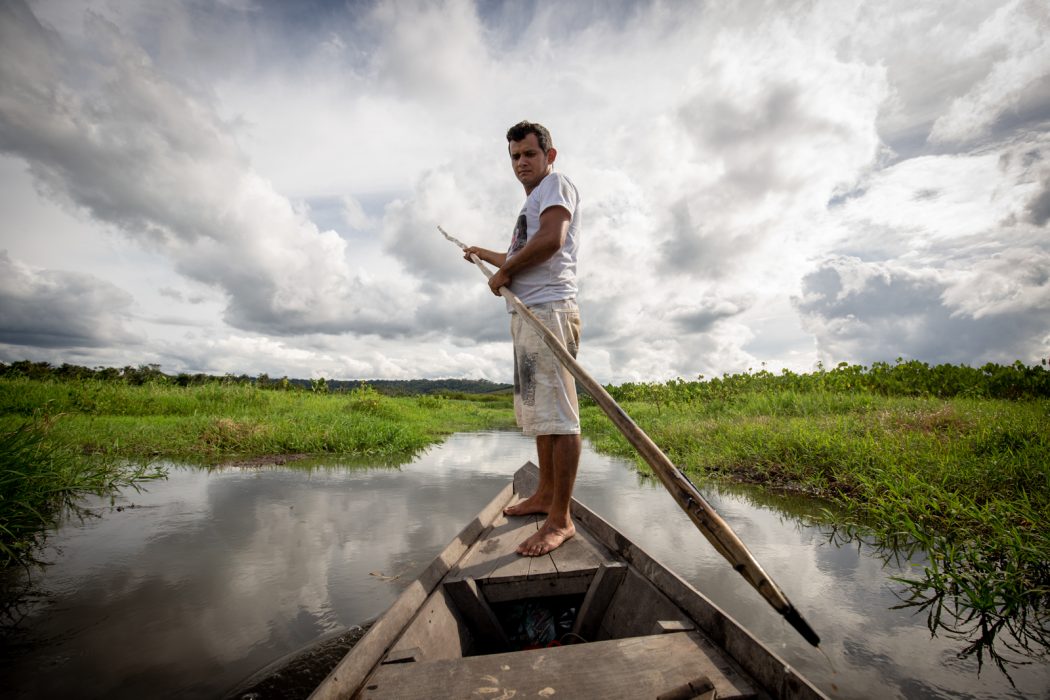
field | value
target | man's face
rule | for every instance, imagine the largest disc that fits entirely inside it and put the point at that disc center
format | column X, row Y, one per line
column 530, row 163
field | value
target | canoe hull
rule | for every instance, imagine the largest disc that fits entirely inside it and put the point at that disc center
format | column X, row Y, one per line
column 637, row 629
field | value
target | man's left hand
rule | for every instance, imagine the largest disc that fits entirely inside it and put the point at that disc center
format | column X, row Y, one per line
column 499, row 279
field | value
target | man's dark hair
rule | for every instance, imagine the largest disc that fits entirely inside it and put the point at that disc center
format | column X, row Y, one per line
column 522, row 129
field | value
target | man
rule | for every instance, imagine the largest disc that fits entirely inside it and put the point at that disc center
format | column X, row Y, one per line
column 540, row 268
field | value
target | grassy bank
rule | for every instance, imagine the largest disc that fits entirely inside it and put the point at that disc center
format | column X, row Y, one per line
column 960, row 475
column 60, row 440
column 215, row 422
column 952, row 460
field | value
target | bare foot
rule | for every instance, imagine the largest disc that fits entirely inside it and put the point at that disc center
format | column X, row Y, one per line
column 547, row 539
column 533, row 504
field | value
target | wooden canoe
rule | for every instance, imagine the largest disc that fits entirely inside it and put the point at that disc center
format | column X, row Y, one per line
column 627, row 626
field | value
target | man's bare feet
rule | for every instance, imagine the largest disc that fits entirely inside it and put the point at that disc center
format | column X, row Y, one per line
column 547, row 539
column 533, row 504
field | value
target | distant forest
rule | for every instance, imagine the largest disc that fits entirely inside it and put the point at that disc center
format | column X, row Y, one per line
column 145, row 374
column 1017, row 381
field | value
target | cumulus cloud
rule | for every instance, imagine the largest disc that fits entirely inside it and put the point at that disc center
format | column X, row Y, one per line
column 940, row 258
column 108, row 133
column 884, row 164
column 354, row 214
column 859, row 309
column 410, row 227
column 61, row 309
column 1015, row 79
column 176, row 295
column 784, row 123
column 1014, row 282
column 705, row 314
column 1038, row 209
column 170, row 293
column 426, row 47
column 958, row 73
column 332, row 357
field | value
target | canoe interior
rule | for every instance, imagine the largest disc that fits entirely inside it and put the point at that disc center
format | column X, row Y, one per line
column 596, row 617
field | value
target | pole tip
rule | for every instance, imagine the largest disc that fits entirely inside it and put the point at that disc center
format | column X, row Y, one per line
column 795, row 619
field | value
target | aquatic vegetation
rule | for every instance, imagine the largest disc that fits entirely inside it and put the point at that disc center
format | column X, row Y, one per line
column 993, row 598
column 40, row 478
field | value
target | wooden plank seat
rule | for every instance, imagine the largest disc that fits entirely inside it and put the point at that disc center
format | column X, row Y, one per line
column 636, row 667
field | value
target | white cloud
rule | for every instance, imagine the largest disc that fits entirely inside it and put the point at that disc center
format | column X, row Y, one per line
column 428, row 49
column 61, row 309
column 852, row 306
column 729, row 158
column 354, row 214
column 940, row 58
column 1013, row 282
column 138, row 152
column 1015, row 34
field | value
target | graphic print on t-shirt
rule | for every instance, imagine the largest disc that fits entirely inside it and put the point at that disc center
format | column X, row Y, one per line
column 517, row 242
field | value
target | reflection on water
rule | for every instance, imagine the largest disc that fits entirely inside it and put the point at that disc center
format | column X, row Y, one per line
column 992, row 604
column 1009, row 633
column 212, row 575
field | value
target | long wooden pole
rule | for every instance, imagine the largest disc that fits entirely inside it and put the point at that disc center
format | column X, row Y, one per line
column 709, row 522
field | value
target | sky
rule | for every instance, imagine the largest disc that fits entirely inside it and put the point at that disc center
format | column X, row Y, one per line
column 254, row 186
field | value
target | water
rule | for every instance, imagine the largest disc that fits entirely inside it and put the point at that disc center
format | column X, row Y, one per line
column 212, row 575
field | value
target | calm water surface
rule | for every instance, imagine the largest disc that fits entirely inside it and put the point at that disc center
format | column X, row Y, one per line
column 212, row 575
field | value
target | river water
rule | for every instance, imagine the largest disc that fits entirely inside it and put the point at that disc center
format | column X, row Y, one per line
column 191, row 586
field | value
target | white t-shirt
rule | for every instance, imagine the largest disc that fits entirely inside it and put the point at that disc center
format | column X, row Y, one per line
column 553, row 279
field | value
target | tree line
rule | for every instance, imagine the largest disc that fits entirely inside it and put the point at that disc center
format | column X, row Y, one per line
column 152, row 374
column 902, row 378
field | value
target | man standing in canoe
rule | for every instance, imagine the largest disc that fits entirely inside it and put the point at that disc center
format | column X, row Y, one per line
column 540, row 268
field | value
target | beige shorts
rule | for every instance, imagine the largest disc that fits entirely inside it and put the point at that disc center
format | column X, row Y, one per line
column 544, row 392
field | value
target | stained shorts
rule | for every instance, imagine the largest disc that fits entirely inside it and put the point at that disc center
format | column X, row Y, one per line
column 544, row 392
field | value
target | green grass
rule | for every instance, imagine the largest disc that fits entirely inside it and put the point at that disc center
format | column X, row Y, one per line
column 951, row 460
column 857, row 449
column 965, row 479
column 60, row 440
column 215, row 422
